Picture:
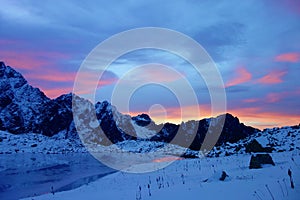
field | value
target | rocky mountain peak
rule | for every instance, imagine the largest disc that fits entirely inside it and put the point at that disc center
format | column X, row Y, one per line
column 142, row 119
column 25, row 109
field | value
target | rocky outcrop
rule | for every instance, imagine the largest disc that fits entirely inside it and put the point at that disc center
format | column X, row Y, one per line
column 258, row 160
column 254, row 147
column 196, row 131
column 142, row 120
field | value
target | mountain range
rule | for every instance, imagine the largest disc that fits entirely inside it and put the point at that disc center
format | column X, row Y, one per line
column 25, row 109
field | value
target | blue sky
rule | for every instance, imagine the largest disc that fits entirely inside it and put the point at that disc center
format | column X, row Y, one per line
column 254, row 43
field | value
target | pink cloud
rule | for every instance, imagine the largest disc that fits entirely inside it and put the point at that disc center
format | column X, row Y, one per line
column 277, row 96
column 274, row 97
column 242, row 76
column 292, row 57
column 9, row 42
column 56, row 92
column 52, row 75
column 88, row 80
column 293, row 5
column 30, row 60
column 21, row 60
column 272, row 78
column 251, row 100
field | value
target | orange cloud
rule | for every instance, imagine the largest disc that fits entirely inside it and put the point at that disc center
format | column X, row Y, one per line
column 257, row 118
column 272, row 78
column 251, row 116
column 288, row 57
column 178, row 114
column 242, row 76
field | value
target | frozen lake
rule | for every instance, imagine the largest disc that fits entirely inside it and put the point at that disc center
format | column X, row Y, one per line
column 28, row 174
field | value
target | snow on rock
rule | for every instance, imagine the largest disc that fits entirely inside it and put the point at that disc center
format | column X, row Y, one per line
column 37, row 143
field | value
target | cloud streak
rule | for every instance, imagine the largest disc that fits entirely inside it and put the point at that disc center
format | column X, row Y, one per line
column 242, row 76
column 273, row 77
column 47, row 44
column 288, row 57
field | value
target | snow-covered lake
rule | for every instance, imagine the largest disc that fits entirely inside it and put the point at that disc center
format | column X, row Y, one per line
column 32, row 174
column 197, row 179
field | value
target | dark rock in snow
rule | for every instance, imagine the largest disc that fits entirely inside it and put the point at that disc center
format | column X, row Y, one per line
column 258, row 160
column 223, row 176
column 34, row 145
column 142, row 120
column 255, row 147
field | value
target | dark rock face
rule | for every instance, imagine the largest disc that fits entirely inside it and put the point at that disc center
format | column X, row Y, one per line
column 232, row 132
column 20, row 104
column 25, row 109
column 142, row 120
column 115, row 125
column 258, row 160
column 58, row 115
column 255, row 147
column 167, row 133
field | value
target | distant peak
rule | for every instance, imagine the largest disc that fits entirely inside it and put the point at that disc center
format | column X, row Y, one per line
column 142, row 119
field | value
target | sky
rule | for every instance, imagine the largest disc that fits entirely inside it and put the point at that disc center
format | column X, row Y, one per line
column 254, row 44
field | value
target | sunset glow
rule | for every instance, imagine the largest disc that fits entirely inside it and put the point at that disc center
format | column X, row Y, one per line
column 258, row 60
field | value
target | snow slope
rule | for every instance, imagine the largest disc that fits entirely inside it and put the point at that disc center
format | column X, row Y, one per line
column 185, row 178
column 37, row 143
column 198, row 179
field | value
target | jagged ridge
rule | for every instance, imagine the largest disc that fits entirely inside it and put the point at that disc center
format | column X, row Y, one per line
column 25, row 109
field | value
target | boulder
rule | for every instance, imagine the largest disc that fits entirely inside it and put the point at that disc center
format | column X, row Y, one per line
column 258, row 160
column 256, row 147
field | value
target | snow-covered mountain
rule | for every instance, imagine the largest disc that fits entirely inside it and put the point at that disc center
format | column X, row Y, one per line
column 25, row 109
column 32, row 126
column 269, row 140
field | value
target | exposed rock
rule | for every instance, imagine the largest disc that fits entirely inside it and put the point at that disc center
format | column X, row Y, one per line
column 255, row 147
column 223, row 176
column 142, row 120
column 34, row 145
column 258, row 160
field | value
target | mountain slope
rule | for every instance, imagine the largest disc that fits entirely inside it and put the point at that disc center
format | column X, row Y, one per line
column 25, row 109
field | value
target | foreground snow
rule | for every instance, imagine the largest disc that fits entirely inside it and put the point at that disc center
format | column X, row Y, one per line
column 198, row 178
column 183, row 179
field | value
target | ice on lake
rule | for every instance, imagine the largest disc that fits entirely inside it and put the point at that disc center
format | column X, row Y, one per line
column 31, row 174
